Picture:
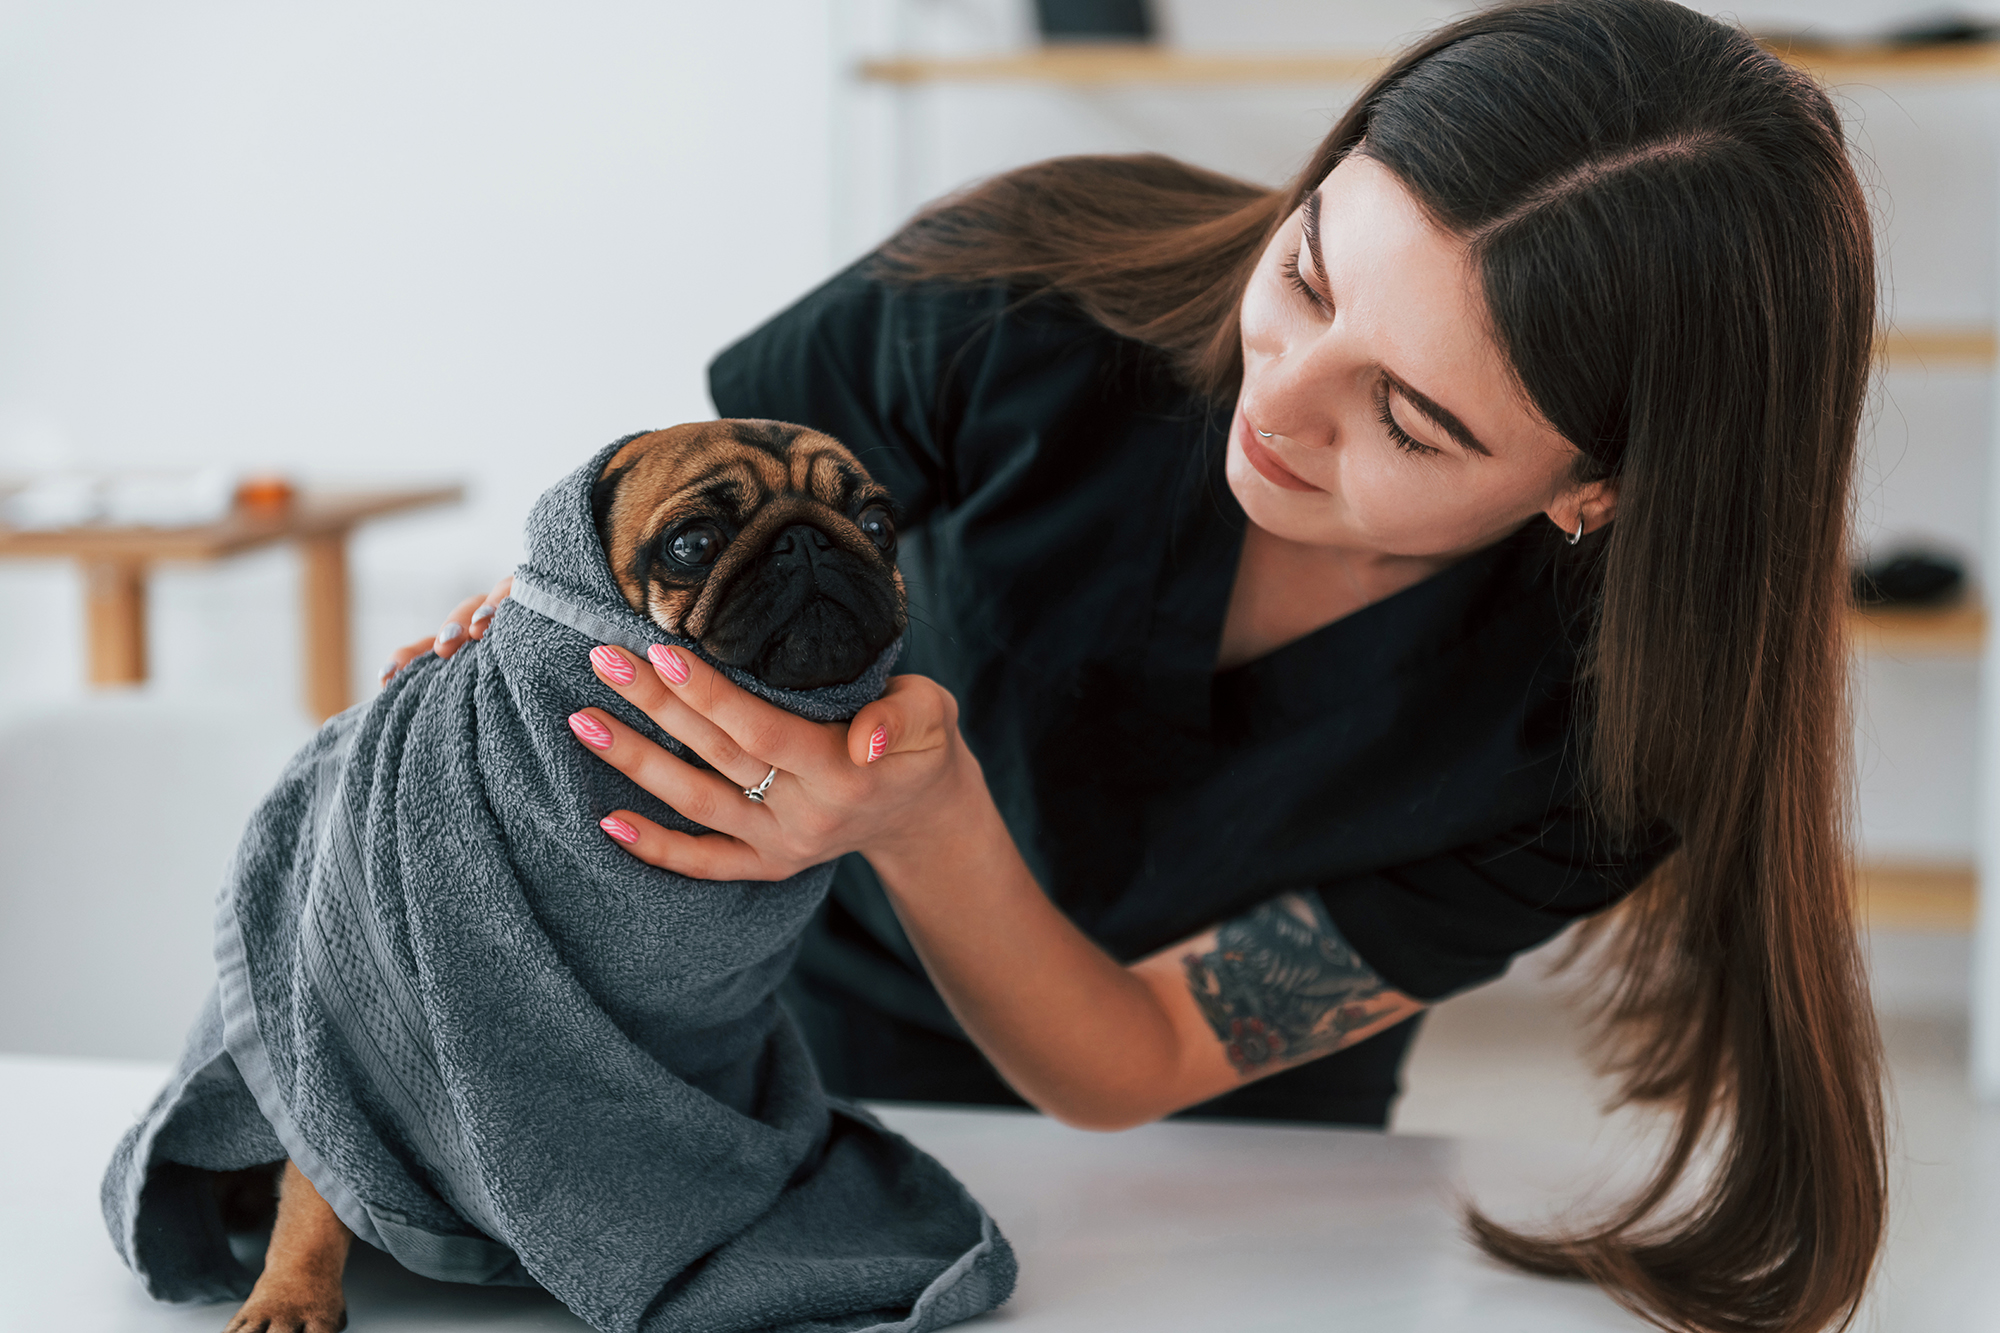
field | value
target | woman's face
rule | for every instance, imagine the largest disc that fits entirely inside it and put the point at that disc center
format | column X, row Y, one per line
column 1396, row 427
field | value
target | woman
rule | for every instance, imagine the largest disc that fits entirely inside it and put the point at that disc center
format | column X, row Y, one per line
column 1325, row 594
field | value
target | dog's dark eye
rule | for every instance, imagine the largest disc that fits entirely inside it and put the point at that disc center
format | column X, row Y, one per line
column 697, row 544
column 876, row 523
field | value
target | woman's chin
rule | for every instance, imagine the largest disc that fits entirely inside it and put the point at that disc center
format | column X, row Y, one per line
column 1298, row 516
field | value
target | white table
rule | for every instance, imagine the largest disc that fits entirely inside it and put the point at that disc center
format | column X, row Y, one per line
column 1176, row 1226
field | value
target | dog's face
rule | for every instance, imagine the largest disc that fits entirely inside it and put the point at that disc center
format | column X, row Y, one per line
column 765, row 543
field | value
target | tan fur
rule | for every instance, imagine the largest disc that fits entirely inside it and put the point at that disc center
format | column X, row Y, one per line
column 672, row 476
column 299, row 1290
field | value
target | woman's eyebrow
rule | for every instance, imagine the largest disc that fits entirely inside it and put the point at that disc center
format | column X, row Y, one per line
column 1450, row 424
column 1312, row 237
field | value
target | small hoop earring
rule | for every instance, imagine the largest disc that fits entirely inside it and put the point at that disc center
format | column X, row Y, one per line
column 1574, row 537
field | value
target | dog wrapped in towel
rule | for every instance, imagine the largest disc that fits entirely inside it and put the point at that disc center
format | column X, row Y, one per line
column 505, row 1051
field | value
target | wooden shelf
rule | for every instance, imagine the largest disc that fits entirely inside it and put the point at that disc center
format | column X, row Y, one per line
column 1936, row 348
column 1958, row 630
column 1113, row 64
column 1868, row 64
column 1916, row 896
column 315, row 513
column 114, row 562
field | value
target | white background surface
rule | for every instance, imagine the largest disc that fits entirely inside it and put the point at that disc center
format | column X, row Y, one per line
column 1170, row 1228
column 472, row 238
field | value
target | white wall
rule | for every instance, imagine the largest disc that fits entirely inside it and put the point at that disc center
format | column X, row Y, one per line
column 1929, row 153
column 363, row 240
column 379, row 240
column 117, row 817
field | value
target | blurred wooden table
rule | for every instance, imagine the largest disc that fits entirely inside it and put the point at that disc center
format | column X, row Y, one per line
column 115, row 562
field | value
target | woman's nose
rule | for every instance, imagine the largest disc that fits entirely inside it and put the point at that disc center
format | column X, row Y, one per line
column 1271, row 425
column 1298, row 397
column 1280, row 412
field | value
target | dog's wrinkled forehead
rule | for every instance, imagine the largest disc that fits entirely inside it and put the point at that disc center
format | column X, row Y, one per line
column 730, row 468
column 765, row 543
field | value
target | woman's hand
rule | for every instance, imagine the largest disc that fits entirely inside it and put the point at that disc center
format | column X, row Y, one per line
column 1083, row 1037
column 881, row 784
column 467, row 621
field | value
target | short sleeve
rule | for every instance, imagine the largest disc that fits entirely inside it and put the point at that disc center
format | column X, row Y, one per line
column 870, row 363
column 1451, row 921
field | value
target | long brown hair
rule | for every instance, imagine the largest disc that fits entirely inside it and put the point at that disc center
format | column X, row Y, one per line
column 1677, row 259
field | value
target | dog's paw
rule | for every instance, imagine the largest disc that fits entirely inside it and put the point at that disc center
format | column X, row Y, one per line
column 291, row 1308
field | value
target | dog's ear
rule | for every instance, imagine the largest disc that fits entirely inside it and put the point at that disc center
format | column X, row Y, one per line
column 602, row 493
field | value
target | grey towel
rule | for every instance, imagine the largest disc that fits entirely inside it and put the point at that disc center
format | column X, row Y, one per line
column 505, row 1051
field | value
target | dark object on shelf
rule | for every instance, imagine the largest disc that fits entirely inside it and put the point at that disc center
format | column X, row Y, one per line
column 1946, row 27
column 1908, row 578
column 1094, row 20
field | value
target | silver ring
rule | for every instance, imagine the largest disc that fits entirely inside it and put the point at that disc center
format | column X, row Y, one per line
column 756, row 793
column 1265, row 433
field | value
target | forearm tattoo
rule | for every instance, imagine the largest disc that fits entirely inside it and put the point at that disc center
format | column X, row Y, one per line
column 1281, row 985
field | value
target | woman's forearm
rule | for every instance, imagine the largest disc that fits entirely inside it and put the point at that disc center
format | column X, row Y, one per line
column 1083, row 1037
column 1075, row 1032
column 1078, row 1035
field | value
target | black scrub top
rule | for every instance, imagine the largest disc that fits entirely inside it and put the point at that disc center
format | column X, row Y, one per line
column 1070, row 545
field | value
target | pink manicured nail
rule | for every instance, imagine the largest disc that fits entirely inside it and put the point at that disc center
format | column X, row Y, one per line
column 878, row 741
column 590, row 731
column 671, row 664
column 619, row 829
column 611, row 665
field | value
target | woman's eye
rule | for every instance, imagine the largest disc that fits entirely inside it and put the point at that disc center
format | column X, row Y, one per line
column 875, row 521
column 1400, row 437
column 1297, row 281
column 696, row 545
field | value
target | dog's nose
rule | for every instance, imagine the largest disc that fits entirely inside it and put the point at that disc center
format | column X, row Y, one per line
column 801, row 540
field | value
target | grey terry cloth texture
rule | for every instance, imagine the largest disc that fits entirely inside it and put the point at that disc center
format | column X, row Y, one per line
column 505, row 1051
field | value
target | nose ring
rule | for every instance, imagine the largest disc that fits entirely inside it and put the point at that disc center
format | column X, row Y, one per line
column 1265, row 433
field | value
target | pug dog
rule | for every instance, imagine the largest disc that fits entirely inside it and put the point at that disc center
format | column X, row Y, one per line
column 765, row 543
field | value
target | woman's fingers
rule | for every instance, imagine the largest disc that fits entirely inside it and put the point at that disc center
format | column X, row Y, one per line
column 469, row 619
column 706, row 798
column 763, row 733
column 448, row 640
column 451, row 634
column 642, row 687
column 713, row 856
column 823, row 803
column 914, row 714
column 467, row 623
column 482, row 615
column 402, row 657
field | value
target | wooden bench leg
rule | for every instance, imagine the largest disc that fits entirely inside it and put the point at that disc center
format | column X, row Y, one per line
column 324, row 609
column 115, row 618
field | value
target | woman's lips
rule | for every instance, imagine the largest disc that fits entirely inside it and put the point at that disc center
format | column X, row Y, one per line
column 1268, row 465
